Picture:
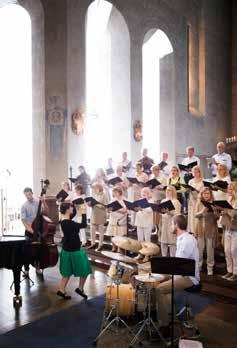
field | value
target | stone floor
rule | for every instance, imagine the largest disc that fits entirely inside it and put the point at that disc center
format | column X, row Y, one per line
column 217, row 323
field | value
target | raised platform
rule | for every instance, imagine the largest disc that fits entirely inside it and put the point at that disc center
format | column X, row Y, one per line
column 213, row 285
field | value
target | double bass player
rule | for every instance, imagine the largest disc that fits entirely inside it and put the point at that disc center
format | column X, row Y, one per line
column 28, row 214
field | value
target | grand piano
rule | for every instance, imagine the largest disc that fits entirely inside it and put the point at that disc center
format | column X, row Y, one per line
column 12, row 256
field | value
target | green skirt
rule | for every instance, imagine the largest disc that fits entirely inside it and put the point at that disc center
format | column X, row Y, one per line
column 74, row 263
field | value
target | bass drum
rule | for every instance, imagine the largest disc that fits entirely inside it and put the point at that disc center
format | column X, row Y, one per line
column 127, row 296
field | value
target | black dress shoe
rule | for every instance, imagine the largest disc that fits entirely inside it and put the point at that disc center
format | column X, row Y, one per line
column 63, row 295
column 81, row 293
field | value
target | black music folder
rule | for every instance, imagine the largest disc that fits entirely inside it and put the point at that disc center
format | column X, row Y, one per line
column 208, row 205
column 219, row 183
column 73, row 180
column 189, row 187
column 164, row 205
column 114, row 206
column 62, row 195
column 152, row 183
column 223, row 204
column 115, row 181
column 78, row 201
column 162, row 165
column 207, row 183
column 141, row 203
column 222, row 184
column 92, row 201
column 129, row 205
column 134, row 181
column 187, row 167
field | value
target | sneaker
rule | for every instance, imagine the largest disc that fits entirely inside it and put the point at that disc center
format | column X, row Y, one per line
column 233, row 278
column 81, row 293
column 227, row 275
column 210, row 273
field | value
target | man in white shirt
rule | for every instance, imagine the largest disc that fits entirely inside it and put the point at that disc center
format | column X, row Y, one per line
column 190, row 157
column 220, row 157
column 186, row 248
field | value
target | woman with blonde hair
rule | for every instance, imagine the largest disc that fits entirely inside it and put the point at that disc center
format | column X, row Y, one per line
column 206, row 228
column 167, row 237
column 197, row 183
column 229, row 222
column 222, row 175
column 177, row 180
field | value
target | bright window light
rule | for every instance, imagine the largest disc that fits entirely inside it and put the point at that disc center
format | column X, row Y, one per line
column 16, row 165
column 156, row 47
column 98, row 129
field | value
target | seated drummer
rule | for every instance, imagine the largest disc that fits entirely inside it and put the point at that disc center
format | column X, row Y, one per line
column 28, row 214
column 186, row 248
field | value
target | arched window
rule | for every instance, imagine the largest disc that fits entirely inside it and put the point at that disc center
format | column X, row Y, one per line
column 156, row 47
column 16, row 164
column 108, row 109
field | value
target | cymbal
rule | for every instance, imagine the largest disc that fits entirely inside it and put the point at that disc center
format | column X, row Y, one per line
column 118, row 257
column 149, row 249
column 126, row 266
column 149, row 278
column 127, row 243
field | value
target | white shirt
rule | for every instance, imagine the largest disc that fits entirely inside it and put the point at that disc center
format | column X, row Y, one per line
column 223, row 158
column 186, row 247
column 166, row 170
column 144, row 217
column 187, row 160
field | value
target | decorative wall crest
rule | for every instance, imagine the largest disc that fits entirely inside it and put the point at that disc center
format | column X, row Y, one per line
column 137, row 130
column 77, row 122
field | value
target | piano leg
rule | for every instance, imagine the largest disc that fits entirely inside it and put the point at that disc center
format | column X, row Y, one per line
column 17, row 299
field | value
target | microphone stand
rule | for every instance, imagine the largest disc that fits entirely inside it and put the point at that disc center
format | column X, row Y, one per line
column 70, row 171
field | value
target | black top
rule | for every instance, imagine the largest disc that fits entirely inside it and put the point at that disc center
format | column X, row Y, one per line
column 71, row 240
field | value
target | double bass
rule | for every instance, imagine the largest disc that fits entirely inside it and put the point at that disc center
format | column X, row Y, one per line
column 44, row 251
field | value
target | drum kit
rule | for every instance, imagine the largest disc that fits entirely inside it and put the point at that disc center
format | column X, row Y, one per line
column 128, row 292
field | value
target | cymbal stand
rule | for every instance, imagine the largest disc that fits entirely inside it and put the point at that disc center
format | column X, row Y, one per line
column 114, row 308
column 147, row 324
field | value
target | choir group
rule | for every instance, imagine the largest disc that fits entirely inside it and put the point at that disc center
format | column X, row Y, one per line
column 144, row 198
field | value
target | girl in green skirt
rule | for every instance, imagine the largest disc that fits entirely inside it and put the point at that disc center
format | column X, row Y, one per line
column 73, row 259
